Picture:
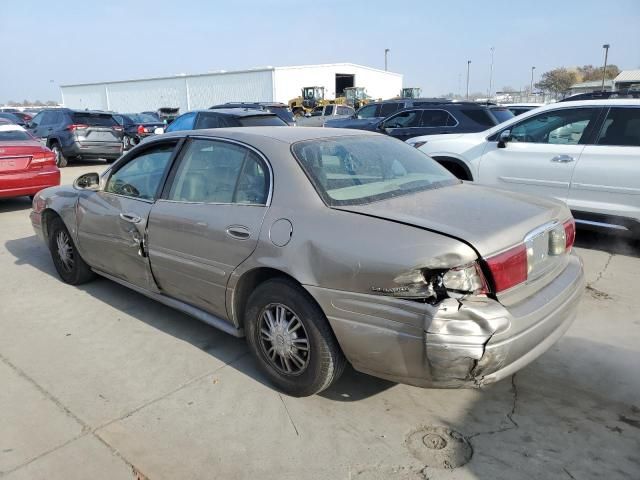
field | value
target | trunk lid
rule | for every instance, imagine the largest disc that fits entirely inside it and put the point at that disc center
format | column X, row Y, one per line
column 490, row 220
column 17, row 156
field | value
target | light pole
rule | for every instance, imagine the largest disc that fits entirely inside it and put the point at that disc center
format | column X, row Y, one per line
column 531, row 87
column 604, row 69
column 468, row 67
column 492, row 49
column 386, row 53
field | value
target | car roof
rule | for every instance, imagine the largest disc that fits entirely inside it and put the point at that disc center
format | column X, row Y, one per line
column 237, row 112
column 635, row 102
column 283, row 134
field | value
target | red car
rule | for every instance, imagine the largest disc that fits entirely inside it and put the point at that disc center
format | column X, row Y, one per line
column 26, row 167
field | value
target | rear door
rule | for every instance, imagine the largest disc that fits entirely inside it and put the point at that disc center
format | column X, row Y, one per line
column 606, row 180
column 95, row 128
column 542, row 154
column 112, row 222
column 208, row 220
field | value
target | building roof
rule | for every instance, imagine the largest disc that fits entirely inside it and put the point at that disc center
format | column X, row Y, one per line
column 591, row 84
column 229, row 72
column 628, row 76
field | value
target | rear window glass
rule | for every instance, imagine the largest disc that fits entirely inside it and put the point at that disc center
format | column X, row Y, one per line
column 261, row 121
column 356, row 170
column 283, row 112
column 502, row 114
column 481, row 116
column 94, row 119
column 13, row 135
column 142, row 118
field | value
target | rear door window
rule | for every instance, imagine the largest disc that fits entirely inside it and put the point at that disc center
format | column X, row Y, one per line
column 183, row 122
column 621, row 128
column 406, row 119
column 208, row 120
column 481, row 116
column 369, row 111
column 328, row 110
column 436, row 118
column 387, row 109
column 93, row 119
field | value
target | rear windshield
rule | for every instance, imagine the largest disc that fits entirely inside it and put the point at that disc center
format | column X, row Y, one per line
column 12, row 135
column 283, row 112
column 94, row 119
column 481, row 116
column 143, row 118
column 356, row 170
column 261, row 121
column 502, row 114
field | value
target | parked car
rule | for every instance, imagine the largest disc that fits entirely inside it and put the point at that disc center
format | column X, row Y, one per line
column 26, row 117
column 603, row 95
column 387, row 260
column 501, row 113
column 320, row 114
column 282, row 110
column 26, row 167
column 13, row 118
column 371, row 114
column 137, row 126
column 520, row 108
column 584, row 153
column 230, row 117
column 78, row 134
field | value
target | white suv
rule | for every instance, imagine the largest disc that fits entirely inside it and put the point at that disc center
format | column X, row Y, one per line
column 585, row 153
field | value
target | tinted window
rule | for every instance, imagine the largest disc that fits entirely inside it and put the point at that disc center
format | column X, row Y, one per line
column 37, row 120
column 12, row 135
column 356, row 170
column 183, row 122
column 219, row 172
column 622, row 127
column 93, row 119
column 344, row 111
column 558, row 127
column 480, row 115
column 141, row 177
column 142, row 118
column 261, row 121
column 436, row 118
column 408, row 119
column 387, row 109
column 502, row 114
column 47, row 118
column 208, row 120
column 368, row 112
column 56, row 118
column 283, row 112
column 328, row 110
column 11, row 117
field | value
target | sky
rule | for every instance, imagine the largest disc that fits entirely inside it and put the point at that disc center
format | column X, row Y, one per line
column 48, row 43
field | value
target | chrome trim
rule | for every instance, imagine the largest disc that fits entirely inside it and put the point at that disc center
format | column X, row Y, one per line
column 602, row 224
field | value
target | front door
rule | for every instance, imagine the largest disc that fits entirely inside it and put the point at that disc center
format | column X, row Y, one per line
column 542, row 153
column 112, row 222
column 208, row 220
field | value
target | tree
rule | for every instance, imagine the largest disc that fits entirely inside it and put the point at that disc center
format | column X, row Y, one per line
column 589, row 73
column 557, row 81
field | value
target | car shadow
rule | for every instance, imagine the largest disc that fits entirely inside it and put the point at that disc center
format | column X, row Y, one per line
column 610, row 242
column 14, row 204
column 31, row 251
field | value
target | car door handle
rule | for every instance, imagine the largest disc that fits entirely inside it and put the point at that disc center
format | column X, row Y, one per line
column 130, row 217
column 562, row 159
column 238, row 231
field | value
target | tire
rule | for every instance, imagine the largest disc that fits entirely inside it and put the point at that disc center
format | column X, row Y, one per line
column 323, row 360
column 61, row 160
column 74, row 270
column 127, row 143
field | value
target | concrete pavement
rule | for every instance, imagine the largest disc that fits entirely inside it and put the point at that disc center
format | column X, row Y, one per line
column 101, row 382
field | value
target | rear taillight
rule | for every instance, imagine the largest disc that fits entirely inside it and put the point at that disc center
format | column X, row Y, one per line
column 509, row 268
column 76, row 126
column 43, row 157
column 570, row 233
column 141, row 129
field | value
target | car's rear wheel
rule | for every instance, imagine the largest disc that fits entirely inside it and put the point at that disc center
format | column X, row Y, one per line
column 68, row 262
column 61, row 160
column 290, row 337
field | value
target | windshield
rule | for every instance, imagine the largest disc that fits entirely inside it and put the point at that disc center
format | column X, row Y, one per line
column 261, row 121
column 356, row 170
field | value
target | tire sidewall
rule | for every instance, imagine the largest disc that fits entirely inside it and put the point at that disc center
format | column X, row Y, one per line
column 68, row 276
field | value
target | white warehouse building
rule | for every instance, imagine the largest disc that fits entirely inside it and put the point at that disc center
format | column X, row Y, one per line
column 268, row 84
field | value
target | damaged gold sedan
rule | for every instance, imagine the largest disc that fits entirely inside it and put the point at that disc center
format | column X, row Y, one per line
column 324, row 247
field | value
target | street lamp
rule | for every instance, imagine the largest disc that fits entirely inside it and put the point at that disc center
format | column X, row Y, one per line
column 468, row 67
column 604, row 69
column 386, row 52
column 492, row 49
column 531, row 87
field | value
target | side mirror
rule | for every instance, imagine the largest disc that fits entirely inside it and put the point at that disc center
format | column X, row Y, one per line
column 88, row 181
column 158, row 131
column 504, row 138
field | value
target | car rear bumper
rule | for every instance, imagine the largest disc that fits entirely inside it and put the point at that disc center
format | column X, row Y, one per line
column 454, row 344
column 109, row 150
column 28, row 183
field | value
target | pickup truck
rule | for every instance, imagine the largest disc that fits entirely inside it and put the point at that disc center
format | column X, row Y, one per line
column 321, row 114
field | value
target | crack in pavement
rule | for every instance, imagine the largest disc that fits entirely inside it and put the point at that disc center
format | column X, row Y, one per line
column 514, row 425
column 604, row 269
column 288, row 414
column 568, row 473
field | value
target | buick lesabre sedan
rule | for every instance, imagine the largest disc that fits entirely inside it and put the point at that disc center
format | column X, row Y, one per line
column 326, row 246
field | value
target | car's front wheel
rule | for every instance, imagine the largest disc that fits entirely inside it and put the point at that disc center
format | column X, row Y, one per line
column 68, row 262
column 291, row 339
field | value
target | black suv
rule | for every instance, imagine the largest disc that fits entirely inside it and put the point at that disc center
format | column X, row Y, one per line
column 432, row 118
column 228, row 117
column 75, row 134
column 280, row 109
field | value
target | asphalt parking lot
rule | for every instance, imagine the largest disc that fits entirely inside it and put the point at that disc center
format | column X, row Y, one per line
column 100, row 382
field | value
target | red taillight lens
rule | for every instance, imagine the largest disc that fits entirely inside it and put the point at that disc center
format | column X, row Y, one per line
column 43, row 157
column 570, row 232
column 76, row 126
column 141, row 129
column 508, row 268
